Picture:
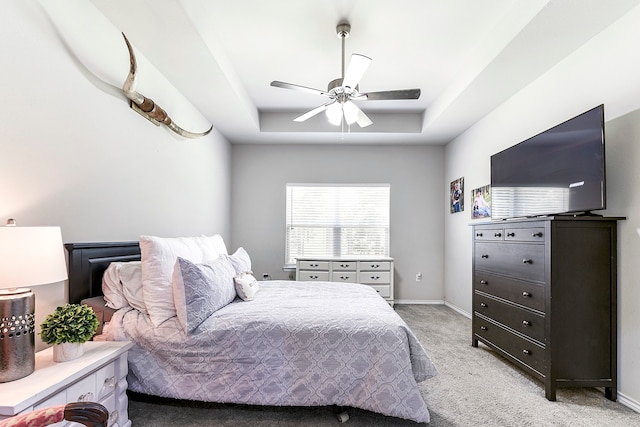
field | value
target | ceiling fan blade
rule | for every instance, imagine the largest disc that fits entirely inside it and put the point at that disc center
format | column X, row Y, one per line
column 391, row 95
column 313, row 112
column 357, row 66
column 284, row 85
column 363, row 119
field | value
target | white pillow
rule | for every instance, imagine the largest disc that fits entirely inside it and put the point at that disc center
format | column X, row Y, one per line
column 199, row 290
column 246, row 286
column 212, row 247
column 241, row 261
column 159, row 256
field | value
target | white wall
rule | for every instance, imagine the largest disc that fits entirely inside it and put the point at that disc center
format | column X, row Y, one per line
column 259, row 176
column 604, row 71
column 73, row 156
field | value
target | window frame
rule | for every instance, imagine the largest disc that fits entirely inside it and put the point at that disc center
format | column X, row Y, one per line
column 337, row 230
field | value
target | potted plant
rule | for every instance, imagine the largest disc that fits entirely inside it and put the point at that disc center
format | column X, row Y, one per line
column 68, row 328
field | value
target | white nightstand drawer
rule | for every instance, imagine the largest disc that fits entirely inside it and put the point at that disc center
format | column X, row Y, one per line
column 110, row 403
column 106, row 381
column 344, row 265
column 83, row 391
column 55, row 400
column 374, row 265
column 314, row 276
column 313, row 265
column 344, row 276
column 383, row 290
column 375, row 277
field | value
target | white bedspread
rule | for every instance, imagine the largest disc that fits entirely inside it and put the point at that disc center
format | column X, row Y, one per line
column 296, row 343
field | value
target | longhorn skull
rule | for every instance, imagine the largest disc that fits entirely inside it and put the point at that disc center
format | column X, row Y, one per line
column 146, row 106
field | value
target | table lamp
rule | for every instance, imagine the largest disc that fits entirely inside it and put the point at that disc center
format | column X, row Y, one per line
column 29, row 256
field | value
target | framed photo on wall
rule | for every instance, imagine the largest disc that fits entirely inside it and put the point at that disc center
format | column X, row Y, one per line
column 457, row 195
column 481, row 202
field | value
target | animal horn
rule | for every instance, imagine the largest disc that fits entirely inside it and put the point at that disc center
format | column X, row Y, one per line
column 146, row 106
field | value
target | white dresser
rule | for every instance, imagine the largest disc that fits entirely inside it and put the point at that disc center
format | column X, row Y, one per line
column 97, row 376
column 376, row 272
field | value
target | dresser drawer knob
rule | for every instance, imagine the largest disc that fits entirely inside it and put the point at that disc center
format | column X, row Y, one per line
column 484, row 282
column 478, row 234
column 313, row 277
column 511, row 234
column 497, row 234
column 313, row 265
column 110, row 382
column 538, row 234
column 344, row 277
column 87, row 397
column 527, row 261
column 526, row 323
column 484, row 328
column 375, row 277
column 526, row 294
column 482, row 304
column 113, row 417
column 525, row 351
column 344, row 265
column 484, row 256
column 374, row 266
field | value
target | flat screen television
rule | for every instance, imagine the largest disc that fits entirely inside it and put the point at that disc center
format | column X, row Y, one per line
column 559, row 171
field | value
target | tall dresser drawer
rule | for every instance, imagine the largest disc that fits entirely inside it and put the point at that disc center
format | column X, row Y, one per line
column 313, row 265
column 322, row 276
column 525, row 351
column 523, row 260
column 527, row 294
column 519, row 319
column 533, row 234
column 495, row 234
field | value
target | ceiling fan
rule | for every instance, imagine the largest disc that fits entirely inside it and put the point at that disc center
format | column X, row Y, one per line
column 341, row 92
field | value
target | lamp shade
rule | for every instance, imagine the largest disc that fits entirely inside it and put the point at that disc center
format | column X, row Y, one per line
column 31, row 256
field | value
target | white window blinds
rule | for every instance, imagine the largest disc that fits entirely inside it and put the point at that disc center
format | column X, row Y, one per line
column 337, row 220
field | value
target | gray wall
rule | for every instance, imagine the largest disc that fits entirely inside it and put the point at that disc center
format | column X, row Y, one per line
column 75, row 157
column 603, row 71
column 259, row 176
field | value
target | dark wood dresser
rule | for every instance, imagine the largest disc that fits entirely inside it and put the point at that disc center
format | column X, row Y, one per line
column 544, row 297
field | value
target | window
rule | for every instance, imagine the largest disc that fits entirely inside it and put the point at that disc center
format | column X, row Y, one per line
column 336, row 220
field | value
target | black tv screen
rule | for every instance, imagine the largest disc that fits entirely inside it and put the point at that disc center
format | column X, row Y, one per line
column 561, row 170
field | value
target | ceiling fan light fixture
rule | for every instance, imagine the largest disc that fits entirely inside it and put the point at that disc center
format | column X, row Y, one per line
column 334, row 113
column 350, row 112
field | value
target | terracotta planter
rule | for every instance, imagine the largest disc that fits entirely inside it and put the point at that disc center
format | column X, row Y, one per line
column 67, row 351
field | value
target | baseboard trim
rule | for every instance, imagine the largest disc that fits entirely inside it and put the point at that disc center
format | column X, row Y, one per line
column 417, row 301
column 458, row 309
column 629, row 402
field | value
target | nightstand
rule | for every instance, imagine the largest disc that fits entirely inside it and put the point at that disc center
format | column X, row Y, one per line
column 98, row 376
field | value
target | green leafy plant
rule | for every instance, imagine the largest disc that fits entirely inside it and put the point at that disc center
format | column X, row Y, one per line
column 73, row 323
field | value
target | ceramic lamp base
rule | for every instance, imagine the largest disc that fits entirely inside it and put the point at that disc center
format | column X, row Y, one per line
column 17, row 334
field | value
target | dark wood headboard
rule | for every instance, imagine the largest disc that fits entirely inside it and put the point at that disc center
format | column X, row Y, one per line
column 88, row 261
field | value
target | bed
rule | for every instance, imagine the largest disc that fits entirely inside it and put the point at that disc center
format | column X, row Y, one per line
column 292, row 344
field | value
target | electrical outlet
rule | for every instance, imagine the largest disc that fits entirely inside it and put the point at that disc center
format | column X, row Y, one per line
column 418, row 277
